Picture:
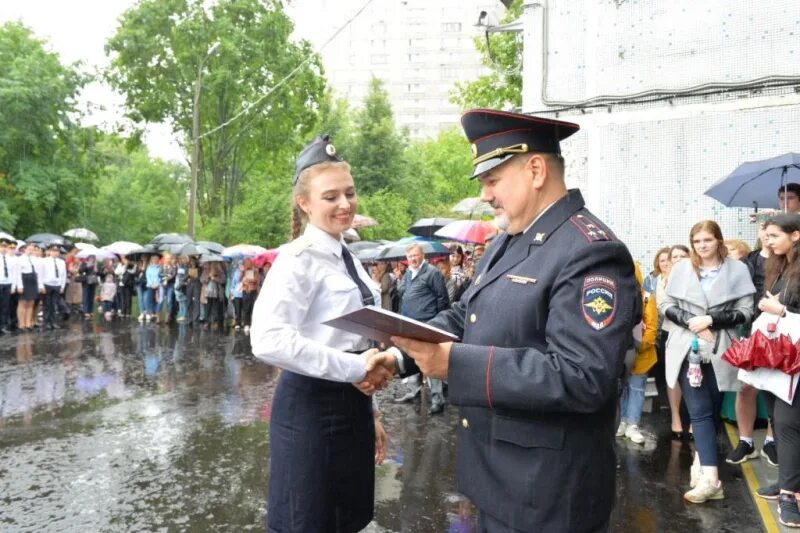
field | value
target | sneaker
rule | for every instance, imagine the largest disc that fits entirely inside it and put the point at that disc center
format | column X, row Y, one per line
column 770, row 452
column 743, row 452
column 237, row 327
column 141, row 317
column 621, row 429
column 632, row 432
column 788, row 512
column 705, row 491
column 770, row 492
column 695, row 473
column 247, row 329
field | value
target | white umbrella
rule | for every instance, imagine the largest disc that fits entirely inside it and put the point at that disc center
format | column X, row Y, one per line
column 243, row 250
column 98, row 253
column 7, row 236
column 121, row 247
column 81, row 233
column 85, row 246
column 472, row 207
column 351, row 235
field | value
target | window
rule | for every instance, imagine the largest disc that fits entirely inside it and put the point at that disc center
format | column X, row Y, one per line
column 451, row 26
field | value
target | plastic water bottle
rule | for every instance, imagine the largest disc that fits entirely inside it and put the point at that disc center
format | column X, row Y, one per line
column 695, row 373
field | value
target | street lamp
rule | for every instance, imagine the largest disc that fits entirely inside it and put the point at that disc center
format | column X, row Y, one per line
column 195, row 138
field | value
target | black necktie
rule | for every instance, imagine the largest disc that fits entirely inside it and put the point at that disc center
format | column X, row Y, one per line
column 5, row 266
column 55, row 264
column 502, row 247
column 366, row 294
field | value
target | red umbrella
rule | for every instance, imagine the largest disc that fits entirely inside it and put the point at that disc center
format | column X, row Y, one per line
column 362, row 221
column 761, row 351
column 469, row 231
column 266, row 257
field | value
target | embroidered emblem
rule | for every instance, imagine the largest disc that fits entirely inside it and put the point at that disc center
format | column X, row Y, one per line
column 599, row 301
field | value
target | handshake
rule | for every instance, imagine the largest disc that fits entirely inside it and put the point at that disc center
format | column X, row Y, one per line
column 380, row 369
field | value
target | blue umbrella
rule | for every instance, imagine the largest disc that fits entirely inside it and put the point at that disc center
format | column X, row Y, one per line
column 756, row 183
column 397, row 250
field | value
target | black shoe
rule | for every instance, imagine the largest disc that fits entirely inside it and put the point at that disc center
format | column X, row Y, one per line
column 770, row 452
column 677, row 435
column 407, row 398
column 770, row 492
column 436, row 409
column 743, row 452
column 788, row 512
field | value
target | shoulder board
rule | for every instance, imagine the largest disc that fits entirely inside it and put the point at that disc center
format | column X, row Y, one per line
column 297, row 246
column 591, row 228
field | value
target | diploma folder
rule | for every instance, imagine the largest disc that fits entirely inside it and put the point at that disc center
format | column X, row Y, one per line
column 378, row 324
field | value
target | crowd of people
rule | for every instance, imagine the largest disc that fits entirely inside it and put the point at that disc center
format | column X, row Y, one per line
column 166, row 288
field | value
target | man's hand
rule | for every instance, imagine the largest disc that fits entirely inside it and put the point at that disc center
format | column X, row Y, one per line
column 432, row 359
column 379, row 373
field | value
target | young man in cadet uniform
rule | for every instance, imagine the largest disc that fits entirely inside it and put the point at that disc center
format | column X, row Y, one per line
column 54, row 279
column 544, row 328
column 8, row 274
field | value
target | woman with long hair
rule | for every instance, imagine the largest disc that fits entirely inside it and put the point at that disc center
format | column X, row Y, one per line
column 325, row 437
column 782, row 295
column 29, row 286
column 89, row 280
column 707, row 297
column 250, row 284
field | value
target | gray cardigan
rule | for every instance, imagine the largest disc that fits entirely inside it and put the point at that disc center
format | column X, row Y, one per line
column 731, row 289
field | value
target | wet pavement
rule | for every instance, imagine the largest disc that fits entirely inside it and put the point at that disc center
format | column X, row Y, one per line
column 122, row 427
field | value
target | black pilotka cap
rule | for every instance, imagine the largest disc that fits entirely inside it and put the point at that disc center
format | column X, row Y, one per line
column 317, row 151
column 496, row 136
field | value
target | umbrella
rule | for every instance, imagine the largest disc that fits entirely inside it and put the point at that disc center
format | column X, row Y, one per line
column 162, row 240
column 81, row 233
column 211, row 246
column 98, row 253
column 473, row 206
column 756, row 183
column 426, row 227
column 7, row 236
column 191, row 248
column 351, row 235
column 363, row 221
column 147, row 249
column 121, row 247
column 397, row 251
column 267, row 257
column 85, row 246
column 211, row 258
column 47, row 238
column 243, row 250
column 469, row 231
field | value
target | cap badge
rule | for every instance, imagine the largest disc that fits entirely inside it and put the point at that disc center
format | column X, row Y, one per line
column 330, row 150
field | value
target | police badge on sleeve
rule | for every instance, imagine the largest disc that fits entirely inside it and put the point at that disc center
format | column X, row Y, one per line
column 599, row 301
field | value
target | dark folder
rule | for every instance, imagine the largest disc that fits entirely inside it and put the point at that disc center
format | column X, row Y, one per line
column 379, row 325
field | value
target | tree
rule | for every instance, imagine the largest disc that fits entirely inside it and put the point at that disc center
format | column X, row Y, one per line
column 390, row 209
column 42, row 174
column 501, row 52
column 161, row 49
column 377, row 148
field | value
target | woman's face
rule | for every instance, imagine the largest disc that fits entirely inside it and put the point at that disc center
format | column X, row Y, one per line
column 705, row 245
column 331, row 203
column 676, row 255
column 779, row 241
column 733, row 251
column 455, row 259
column 664, row 262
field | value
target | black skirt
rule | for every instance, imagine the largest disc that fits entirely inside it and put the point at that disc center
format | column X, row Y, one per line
column 30, row 287
column 322, row 451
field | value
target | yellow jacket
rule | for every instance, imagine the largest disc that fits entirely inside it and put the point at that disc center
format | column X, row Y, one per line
column 646, row 356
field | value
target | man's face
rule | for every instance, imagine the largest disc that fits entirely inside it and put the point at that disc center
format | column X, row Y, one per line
column 414, row 257
column 477, row 253
column 509, row 190
column 789, row 201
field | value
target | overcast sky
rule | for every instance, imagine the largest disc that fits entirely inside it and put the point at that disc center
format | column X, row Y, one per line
column 77, row 30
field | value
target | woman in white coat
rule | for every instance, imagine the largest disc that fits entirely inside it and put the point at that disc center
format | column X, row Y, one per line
column 707, row 296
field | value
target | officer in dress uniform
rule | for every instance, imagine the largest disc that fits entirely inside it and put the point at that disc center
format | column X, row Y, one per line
column 8, row 274
column 544, row 329
column 324, row 435
column 54, row 279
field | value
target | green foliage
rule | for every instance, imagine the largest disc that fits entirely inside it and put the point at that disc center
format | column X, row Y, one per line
column 391, row 210
column 444, row 166
column 43, row 177
column 160, row 51
column 502, row 88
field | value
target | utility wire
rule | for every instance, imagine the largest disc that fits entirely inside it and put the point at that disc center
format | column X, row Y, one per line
column 289, row 76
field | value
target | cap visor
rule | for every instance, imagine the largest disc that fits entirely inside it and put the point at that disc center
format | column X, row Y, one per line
column 489, row 164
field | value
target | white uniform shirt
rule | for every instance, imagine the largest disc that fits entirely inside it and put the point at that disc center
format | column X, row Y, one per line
column 54, row 272
column 307, row 285
column 25, row 265
column 9, row 266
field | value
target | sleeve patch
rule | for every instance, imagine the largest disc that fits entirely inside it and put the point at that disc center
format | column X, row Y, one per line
column 590, row 228
column 599, row 301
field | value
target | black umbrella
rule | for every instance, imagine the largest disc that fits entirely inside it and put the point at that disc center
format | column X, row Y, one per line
column 211, row 258
column 147, row 249
column 397, row 251
column 426, row 227
column 48, row 238
column 191, row 248
column 163, row 240
column 211, row 246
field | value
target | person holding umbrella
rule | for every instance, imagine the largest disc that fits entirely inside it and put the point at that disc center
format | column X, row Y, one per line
column 325, row 437
column 87, row 273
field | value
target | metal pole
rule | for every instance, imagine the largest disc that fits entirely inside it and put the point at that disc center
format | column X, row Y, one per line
column 195, row 155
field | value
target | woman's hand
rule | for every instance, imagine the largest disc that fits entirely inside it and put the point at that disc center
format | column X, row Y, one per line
column 771, row 304
column 707, row 335
column 699, row 323
column 381, row 439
